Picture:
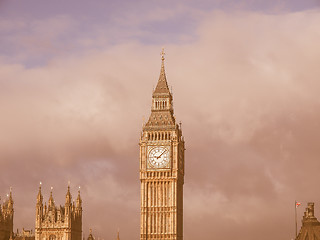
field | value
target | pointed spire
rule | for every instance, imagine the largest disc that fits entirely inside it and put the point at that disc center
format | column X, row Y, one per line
column 79, row 201
column 68, row 195
column 10, row 195
column 162, row 103
column 10, row 200
column 162, row 85
column 51, row 201
column 39, row 198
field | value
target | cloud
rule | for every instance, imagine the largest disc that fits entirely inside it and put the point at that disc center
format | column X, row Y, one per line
column 246, row 91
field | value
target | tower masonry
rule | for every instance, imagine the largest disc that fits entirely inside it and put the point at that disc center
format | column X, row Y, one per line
column 161, row 168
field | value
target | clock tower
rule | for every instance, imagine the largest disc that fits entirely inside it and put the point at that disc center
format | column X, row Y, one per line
column 161, row 168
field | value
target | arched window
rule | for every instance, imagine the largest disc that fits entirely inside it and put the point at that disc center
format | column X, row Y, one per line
column 52, row 237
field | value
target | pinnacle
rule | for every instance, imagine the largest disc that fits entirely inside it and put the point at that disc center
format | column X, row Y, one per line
column 162, row 85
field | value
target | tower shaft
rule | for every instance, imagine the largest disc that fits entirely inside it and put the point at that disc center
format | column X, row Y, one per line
column 161, row 169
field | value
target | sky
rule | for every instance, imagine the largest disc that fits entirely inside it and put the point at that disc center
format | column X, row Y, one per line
column 76, row 80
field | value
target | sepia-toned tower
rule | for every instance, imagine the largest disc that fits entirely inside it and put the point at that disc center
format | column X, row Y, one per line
column 58, row 223
column 161, row 168
column 6, row 218
column 310, row 229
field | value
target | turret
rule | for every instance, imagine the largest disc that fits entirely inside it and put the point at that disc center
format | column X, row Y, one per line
column 10, row 202
column 40, row 197
column 51, row 201
column 39, row 208
column 7, row 216
column 310, row 229
column 68, row 196
column 79, row 201
column 68, row 206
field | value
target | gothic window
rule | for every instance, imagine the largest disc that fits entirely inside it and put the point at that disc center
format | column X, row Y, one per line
column 52, row 237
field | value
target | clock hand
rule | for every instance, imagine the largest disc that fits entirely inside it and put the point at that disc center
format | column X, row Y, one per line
column 162, row 153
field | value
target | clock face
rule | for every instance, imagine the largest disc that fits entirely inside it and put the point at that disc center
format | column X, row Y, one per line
column 159, row 157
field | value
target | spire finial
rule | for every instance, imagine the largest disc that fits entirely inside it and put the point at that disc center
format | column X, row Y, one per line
column 162, row 54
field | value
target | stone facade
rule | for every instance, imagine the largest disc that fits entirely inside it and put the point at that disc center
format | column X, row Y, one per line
column 24, row 235
column 161, row 168
column 6, row 218
column 58, row 223
column 310, row 229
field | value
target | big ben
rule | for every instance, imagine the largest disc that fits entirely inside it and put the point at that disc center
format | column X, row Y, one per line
column 161, row 168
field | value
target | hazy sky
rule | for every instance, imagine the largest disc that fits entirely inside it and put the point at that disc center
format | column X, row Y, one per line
column 76, row 80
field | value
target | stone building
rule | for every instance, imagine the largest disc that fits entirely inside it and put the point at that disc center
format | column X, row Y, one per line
column 310, row 229
column 58, row 223
column 6, row 218
column 161, row 168
column 24, row 235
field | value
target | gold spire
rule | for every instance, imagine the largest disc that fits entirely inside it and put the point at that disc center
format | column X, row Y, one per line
column 162, row 85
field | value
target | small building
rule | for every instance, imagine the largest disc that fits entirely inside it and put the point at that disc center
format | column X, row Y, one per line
column 310, row 229
column 24, row 235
